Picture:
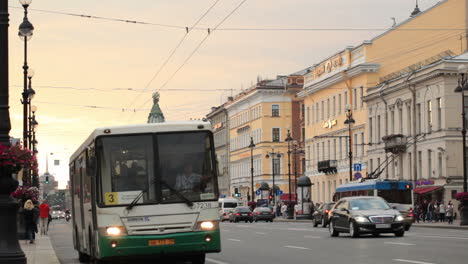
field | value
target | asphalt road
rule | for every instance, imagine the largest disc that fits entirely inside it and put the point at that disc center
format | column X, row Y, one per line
column 293, row 243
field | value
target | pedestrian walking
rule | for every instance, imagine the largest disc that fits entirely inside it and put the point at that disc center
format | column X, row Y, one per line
column 44, row 212
column 30, row 221
column 278, row 210
column 284, row 208
column 416, row 212
column 442, row 212
column 424, row 206
column 430, row 211
column 436, row 212
column 449, row 212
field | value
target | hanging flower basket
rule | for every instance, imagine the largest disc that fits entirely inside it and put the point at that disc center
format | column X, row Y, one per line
column 463, row 196
column 25, row 193
column 14, row 158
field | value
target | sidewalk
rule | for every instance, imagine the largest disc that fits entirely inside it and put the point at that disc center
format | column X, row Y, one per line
column 41, row 252
column 455, row 225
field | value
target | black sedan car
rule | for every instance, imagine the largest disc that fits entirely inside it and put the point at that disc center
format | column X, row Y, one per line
column 241, row 213
column 365, row 215
column 320, row 216
column 263, row 214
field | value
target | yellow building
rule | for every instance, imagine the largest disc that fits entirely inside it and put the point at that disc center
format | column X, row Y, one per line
column 344, row 78
column 264, row 113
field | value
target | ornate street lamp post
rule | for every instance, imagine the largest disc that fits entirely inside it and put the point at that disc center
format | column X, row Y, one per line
column 278, row 156
column 10, row 251
column 30, row 96
column 251, row 146
column 349, row 121
column 289, row 139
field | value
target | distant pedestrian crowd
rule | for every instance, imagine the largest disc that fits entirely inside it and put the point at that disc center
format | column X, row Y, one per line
column 434, row 211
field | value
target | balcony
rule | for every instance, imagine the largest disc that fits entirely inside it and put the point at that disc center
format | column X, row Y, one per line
column 328, row 166
column 395, row 144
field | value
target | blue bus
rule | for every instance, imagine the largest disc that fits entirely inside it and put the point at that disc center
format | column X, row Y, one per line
column 394, row 192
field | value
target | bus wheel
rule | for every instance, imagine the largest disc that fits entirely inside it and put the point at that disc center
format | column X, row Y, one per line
column 198, row 259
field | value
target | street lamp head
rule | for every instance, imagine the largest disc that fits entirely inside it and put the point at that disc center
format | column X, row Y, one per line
column 252, row 145
column 30, row 73
column 349, row 121
column 26, row 28
column 278, row 155
column 462, row 69
column 33, row 108
column 267, row 156
column 22, row 38
column 34, row 123
column 25, row 3
column 348, row 107
column 31, row 93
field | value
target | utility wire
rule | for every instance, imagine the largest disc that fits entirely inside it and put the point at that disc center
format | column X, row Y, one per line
column 188, row 30
column 128, row 89
column 179, row 27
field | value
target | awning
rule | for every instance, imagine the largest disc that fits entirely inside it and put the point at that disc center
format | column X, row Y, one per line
column 285, row 197
column 423, row 190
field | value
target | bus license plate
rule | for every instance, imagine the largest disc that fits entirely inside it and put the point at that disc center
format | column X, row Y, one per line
column 161, row 242
column 382, row 226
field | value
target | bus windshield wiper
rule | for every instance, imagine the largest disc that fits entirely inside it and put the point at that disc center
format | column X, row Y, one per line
column 133, row 203
column 181, row 196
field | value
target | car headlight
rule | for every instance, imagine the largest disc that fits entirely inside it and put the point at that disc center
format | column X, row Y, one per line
column 207, row 225
column 114, row 231
column 361, row 219
column 399, row 218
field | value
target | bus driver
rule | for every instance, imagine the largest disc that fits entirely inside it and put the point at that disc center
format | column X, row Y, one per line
column 187, row 180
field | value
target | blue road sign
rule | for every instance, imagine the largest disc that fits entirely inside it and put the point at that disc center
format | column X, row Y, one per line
column 258, row 192
column 223, row 196
column 357, row 175
column 280, row 192
column 357, row 167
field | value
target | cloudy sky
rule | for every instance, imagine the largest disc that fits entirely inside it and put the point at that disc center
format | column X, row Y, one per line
column 71, row 54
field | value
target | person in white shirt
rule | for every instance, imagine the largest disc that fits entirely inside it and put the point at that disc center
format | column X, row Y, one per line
column 442, row 212
column 188, row 180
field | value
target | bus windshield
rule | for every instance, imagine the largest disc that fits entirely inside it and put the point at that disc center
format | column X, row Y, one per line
column 174, row 165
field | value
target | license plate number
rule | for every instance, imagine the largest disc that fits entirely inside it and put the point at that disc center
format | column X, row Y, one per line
column 245, row 214
column 161, row 242
column 382, row 226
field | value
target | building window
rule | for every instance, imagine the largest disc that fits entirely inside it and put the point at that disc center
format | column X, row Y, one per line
column 316, row 112
column 355, row 98
column 355, row 150
column 341, row 149
column 339, row 104
column 378, row 164
column 392, row 122
column 328, row 150
column 318, row 152
column 408, row 120
column 429, row 164
column 345, row 102
column 312, row 114
column 362, row 144
column 302, row 111
column 400, row 119
column 275, row 110
column 419, row 164
column 318, row 191
column 308, row 116
column 371, row 127
column 429, row 116
column 276, row 134
column 276, row 165
column 439, row 158
column 371, row 165
column 334, row 148
column 378, row 129
column 308, row 155
column 328, row 108
column 410, row 165
column 439, row 113
column 361, row 93
column 334, row 106
column 418, row 114
column 322, row 110
column 323, row 150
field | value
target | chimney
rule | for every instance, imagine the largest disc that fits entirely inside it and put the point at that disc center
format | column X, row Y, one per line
column 213, row 108
column 230, row 98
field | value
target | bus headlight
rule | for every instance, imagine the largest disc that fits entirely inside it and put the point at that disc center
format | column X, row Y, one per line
column 399, row 218
column 114, row 231
column 361, row 219
column 207, row 225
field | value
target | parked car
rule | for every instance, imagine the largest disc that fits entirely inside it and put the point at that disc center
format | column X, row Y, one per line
column 407, row 212
column 321, row 214
column 365, row 215
column 241, row 213
column 263, row 213
column 226, row 205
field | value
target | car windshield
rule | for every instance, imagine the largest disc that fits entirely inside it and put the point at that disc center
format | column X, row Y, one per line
column 177, row 167
column 368, row 204
column 329, row 206
column 242, row 209
column 230, row 205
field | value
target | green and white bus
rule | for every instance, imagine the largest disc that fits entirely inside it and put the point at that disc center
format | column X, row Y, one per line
column 146, row 190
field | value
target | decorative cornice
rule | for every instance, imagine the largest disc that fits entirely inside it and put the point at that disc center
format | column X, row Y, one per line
column 338, row 77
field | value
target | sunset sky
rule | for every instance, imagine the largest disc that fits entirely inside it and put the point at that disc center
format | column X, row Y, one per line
column 77, row 52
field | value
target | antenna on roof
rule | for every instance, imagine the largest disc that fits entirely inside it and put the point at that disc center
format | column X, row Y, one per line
column 394, row 21
column 416, row 10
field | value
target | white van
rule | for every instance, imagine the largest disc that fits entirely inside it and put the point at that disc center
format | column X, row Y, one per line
column 226, row 205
